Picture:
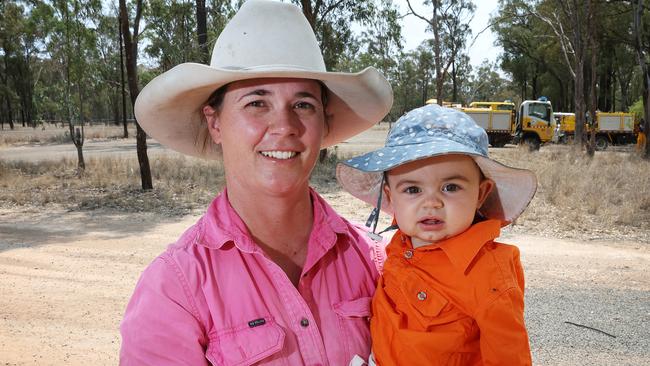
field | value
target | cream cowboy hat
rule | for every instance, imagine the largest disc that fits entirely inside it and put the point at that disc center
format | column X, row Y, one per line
column 432, row 131
column 264, row 39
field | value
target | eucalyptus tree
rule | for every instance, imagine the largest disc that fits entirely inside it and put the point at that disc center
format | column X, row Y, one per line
column 332, row 22
column 531, row 54
column 405, row 84
column 486, row 84
column 449, row 23
column 382, row 39
column 11, row 24
column 170, row 30
column 23, row 25
column 131, row 39
column 72, row 46
column 109, row 69
column 568, row 22
column 461, row 71
column 412, row 82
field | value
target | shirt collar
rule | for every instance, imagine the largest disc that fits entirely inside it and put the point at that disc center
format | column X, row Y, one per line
column 463, row 248
column 222, row 224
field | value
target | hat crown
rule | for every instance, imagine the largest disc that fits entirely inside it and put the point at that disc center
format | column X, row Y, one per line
column 269, row 35
column 433, row 122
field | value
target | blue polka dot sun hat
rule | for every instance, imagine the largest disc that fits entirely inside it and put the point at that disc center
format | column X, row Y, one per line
column 432, row 131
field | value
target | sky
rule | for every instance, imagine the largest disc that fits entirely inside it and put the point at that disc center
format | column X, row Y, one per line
column 413, row 29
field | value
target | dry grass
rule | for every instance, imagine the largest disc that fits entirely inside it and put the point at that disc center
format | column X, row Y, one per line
column 181, row 184
column 114, row 183
column 607, row 197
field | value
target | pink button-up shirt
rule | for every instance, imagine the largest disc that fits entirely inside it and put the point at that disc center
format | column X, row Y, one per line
column 215, row 297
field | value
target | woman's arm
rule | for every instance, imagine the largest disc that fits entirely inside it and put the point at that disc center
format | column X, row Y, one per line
column 161, row 325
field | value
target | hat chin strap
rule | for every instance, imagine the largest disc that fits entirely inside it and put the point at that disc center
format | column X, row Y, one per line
column 373, row 219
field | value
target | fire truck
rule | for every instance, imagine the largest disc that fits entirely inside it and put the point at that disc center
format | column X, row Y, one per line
column 533, row 124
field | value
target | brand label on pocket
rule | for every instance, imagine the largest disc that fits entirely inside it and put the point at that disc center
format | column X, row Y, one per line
column 256, row 322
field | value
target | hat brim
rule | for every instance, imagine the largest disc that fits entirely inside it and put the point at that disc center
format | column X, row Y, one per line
column 168, row 107
column 513, row 191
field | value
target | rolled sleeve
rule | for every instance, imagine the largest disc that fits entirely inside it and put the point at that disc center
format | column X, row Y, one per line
column 161, row 325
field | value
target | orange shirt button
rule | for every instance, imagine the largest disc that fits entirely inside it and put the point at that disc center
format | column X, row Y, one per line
column 422, row 295
column 408, row 254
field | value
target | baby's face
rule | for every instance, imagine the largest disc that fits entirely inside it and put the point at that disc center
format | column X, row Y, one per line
column 436, row 198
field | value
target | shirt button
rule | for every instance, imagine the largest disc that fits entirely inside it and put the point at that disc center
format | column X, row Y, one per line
column 422, row 295
column 304, row 322
column 408, row 254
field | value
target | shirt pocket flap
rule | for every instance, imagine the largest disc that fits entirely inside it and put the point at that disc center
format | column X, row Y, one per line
column 359, row 308
column 247, row 344
column 422, row 297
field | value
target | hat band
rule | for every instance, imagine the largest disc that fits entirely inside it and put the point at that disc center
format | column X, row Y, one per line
column 276, row 67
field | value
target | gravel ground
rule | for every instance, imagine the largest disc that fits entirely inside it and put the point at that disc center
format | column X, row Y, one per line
column 598, row 285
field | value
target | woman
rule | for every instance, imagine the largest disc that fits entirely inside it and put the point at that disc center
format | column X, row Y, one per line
column 270, row 274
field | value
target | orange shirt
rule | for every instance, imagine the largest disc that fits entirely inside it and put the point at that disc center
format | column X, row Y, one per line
column 456, row 302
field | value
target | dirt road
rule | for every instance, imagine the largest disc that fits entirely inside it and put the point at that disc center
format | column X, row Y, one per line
column 65, row 278
column 366, row 141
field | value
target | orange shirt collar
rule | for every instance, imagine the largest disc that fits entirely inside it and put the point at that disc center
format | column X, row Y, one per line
column 463, row 248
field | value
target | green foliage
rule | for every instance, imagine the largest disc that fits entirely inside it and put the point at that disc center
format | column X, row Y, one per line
column 60, row 59
column 530, row 33
column 637, row 109
column 487, row 85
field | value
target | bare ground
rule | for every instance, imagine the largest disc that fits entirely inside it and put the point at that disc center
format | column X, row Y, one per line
column 67, row 276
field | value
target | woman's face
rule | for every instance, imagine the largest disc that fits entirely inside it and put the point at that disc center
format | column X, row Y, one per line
column 270, row 131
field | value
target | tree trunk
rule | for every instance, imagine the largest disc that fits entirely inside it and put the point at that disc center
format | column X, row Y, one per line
column 593, row 101
column 202, row 30
column 122, row 85
column 131, row 47
column 561, row 106
column 591, row 146
column 437, row 53
column 534, row 82
column 77, row 135
column 579, row 101
column 646, row 108
column 454, row 97
column 641, row 51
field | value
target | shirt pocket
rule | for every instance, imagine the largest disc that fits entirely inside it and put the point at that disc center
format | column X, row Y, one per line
column 427, row 307
column 246, row 344
column 353, row 318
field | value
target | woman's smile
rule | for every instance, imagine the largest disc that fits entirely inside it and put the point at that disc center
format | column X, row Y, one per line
column 280, row 155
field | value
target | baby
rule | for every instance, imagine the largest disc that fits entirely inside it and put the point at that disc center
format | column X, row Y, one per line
column 449, row 293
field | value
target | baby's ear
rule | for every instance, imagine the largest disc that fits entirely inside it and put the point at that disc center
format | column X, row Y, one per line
column 485, row 187
column 387, row 194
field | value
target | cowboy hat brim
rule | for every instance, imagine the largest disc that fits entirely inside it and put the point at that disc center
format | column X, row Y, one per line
column 169, row 107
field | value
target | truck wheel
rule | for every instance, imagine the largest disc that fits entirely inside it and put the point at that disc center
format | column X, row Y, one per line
column 532, row 142
column 498, row 143
column 601, row 143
